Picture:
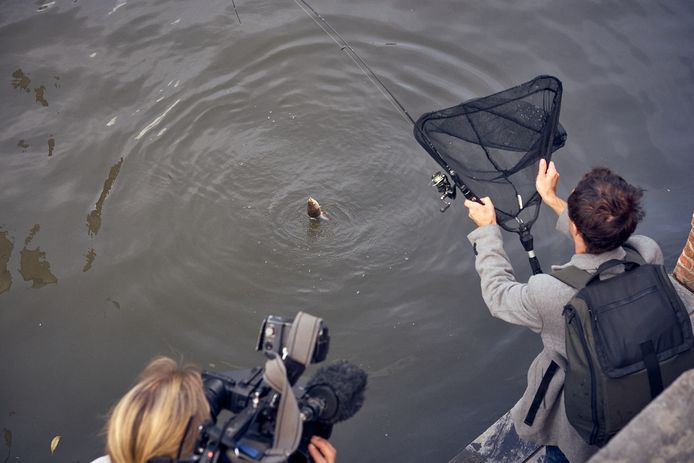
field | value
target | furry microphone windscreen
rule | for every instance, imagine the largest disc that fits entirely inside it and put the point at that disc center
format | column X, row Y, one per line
column 341, row 385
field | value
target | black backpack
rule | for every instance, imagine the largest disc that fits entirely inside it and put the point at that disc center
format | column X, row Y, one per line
column 627, row 337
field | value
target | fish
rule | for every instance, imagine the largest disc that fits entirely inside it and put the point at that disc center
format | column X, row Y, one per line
column 314, row 210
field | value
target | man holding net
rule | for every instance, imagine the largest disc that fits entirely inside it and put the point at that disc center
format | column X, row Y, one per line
column 600, row 216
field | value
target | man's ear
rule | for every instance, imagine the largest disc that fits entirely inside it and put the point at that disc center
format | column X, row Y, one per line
column 573, row 229
column 577, row 237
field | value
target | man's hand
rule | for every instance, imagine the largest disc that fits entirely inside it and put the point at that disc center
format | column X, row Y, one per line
column 321, row 450
column 546, row 185
column 481, row 214
column 547, row 180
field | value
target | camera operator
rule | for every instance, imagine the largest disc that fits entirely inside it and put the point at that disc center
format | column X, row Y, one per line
column 157, row 420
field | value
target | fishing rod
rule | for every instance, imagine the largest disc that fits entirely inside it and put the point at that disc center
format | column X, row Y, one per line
column 361, row 64
column 438, row 180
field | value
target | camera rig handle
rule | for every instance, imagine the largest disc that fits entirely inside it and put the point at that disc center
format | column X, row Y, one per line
column 301, row 343
column 267, row 425
column 303, row 337
column 288, row 428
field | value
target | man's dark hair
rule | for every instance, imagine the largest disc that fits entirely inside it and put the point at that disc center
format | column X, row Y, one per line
column 605, row 209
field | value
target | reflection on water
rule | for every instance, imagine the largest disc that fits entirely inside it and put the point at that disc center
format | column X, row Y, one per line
column 35, row 268
column 24, row 145
column 89, row 256
column 41, row 95
column 7, row 435
column 315, row 229
column 33, row 264
column 46, row 6
column 51, row 146
column 94, row 217
column 117, row 7
column 156, row 121
column 21, row 80
column 6, row 247
column 32, row 233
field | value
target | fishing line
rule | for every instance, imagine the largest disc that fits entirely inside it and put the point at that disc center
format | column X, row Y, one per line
column 496, row 119
column 236, row 11
column 347, row 48
column 368, row 72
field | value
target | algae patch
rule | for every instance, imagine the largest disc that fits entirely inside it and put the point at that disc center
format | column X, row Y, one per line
column 6, row 247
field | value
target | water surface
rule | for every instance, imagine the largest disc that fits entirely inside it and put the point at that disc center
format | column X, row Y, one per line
column 155, row 162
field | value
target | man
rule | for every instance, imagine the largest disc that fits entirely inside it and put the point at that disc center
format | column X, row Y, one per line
column 601, row 214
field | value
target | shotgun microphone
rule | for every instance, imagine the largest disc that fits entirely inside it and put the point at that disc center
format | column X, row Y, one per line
column 334, row 394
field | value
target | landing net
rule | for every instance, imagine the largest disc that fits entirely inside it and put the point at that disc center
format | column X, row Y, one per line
column 491, row 146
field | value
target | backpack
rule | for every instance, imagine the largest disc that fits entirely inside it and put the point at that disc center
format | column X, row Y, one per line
column 627, row 337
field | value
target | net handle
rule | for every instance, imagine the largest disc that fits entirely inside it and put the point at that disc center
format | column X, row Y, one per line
column 526, row 240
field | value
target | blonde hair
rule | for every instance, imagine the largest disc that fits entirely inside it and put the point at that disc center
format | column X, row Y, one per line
column 150, row 420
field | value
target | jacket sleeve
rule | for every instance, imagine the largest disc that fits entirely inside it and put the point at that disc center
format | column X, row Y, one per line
column 563, row 223
column 506, row 298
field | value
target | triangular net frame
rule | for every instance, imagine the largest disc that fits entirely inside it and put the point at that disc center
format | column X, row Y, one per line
column 493, row 144
column 490, row 146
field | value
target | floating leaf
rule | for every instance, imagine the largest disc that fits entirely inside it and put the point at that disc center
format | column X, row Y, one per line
column 8, row 437
column 54, row 444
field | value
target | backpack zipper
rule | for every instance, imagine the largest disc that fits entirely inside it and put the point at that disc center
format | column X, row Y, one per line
column 571, row 315
column 628, row 299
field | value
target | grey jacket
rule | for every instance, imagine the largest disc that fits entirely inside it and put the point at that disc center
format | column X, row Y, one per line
column 538, row 305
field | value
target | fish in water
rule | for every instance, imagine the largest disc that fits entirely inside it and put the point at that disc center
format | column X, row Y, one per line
column 314, row 210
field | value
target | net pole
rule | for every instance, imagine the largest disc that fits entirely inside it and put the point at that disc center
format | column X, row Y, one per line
column 526, row 240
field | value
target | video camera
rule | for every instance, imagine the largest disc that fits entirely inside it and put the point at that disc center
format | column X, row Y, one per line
column 272, row 417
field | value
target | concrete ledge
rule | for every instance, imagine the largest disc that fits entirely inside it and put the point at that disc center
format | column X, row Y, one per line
column 662, row 432
column 500, row 444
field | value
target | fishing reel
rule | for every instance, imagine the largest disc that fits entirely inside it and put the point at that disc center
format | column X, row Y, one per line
column 440, row 181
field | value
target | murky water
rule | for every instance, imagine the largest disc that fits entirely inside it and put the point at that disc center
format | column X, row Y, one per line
column 155, row 162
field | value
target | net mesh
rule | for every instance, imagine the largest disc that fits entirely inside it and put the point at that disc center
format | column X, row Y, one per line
column 492, row 145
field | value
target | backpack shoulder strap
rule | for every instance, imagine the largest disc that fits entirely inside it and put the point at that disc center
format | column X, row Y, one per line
column 578, row 279
column 572, row 276
column 632, row 254
column 540, row 394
